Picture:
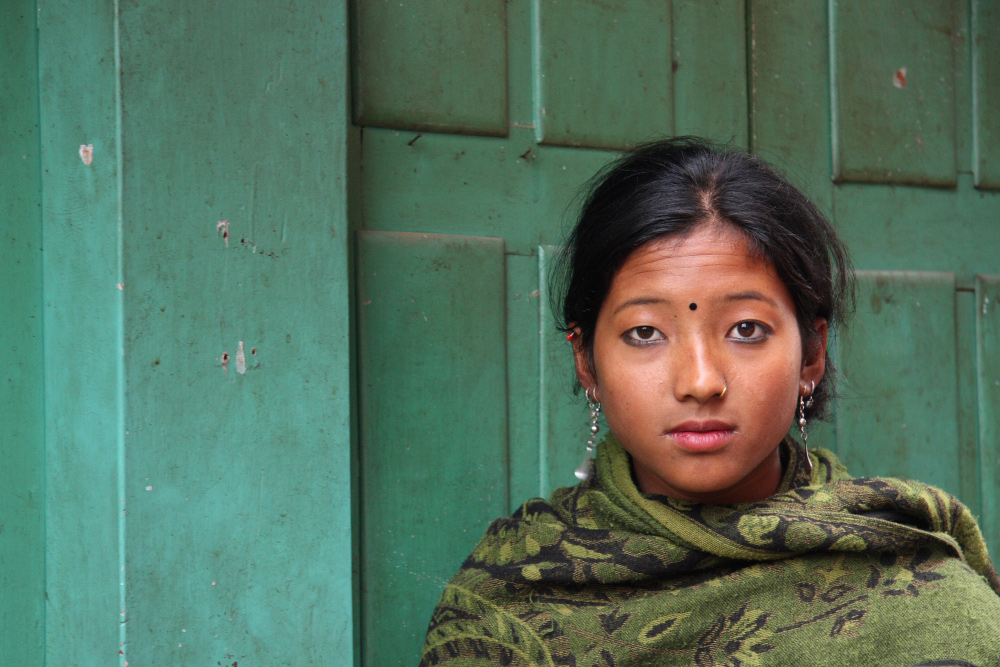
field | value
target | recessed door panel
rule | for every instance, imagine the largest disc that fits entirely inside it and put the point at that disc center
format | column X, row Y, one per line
column 433, row 418
column 893, row 92
column 897, row 413
column 426, row 64
column 986, row 92
column 988, row 380
column 591, row 93
column 710, row 87
column 790, row 72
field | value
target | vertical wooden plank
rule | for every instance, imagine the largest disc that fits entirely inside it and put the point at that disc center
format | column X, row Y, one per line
column 961, row 48
column 790, row 110
column 232, row 476
column 893, row 92
column 968, row 413
column 85, row 618
column 710, row 83
column 988, row 381
column 22, row 433
column 898, row 413
column 986, row 93
column 236, row 333
column 606, row 79
column 565, row 420
column 433, row 430
column 524, row 303
column 423, row 64
column 521, row 74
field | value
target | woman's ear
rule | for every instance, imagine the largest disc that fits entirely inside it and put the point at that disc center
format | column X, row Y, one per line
column 814, row 363
column 581, row 358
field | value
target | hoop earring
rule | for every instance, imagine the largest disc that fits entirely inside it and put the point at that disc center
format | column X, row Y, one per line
column 585, row 470
column 803, row 405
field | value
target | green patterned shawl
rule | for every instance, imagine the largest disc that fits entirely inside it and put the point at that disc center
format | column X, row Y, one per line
column 829, row 571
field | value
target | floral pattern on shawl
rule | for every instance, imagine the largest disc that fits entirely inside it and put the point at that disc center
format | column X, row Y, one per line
column 602, row 574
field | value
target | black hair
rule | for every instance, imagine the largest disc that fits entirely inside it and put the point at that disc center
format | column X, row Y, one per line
column 667, row 189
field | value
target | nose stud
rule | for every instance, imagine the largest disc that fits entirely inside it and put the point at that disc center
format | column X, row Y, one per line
column 725, row 388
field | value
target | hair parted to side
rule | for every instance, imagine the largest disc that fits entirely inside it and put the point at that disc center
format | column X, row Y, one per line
column 668, row 188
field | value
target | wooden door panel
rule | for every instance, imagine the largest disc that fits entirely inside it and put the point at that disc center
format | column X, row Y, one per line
column 925, row 229
column 893, row 91
column 790, row 108
column 986, row 92
column 548, row 421
column 573, row 83
column 710, row 83
column 988, row 380
column 433, row 417
column 448, row 184
column 524, row 301
column 428, row 65
column 898, row 411
column 590, row 97
column 967, row 393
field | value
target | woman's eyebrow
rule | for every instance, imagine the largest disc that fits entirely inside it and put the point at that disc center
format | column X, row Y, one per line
column 641, row 301
column 752, row 295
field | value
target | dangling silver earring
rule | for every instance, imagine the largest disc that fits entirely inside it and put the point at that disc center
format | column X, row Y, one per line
column 803, row 405
column 586, row 468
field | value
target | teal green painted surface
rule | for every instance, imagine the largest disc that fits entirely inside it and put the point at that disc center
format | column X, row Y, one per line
column 790, row 76
column 986, row 92
column 434, row 438
column 710, row 87
column 921, row 229
column 445, row 184
column 590, row 97
column 565, row 426
column 893, row 91
column 962, row 82
column 967, row 456
column 987, row 299
column 898, row 410
column 237, row 483
column 82, row 333
column 758, row 72
column 525, row 305
column 22, row 444
column 197, row 385
column 429, row 65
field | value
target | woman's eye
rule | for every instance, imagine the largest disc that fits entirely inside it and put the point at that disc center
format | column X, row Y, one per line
column 644, row 334
column 748, row 331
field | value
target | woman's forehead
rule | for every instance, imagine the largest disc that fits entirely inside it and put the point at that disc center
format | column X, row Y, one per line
column 707, row 246
column 708, row 263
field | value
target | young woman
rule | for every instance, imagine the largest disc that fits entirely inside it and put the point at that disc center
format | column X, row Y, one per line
column 700, row 289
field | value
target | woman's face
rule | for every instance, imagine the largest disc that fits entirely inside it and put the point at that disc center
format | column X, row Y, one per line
column 699, row 367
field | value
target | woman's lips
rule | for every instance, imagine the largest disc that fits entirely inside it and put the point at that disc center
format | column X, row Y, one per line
column 702, row 436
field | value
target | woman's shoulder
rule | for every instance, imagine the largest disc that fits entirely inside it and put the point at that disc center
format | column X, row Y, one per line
column 536, row 525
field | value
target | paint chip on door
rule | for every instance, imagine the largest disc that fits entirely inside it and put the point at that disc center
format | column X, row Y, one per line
column 223, row 228
column 899, row 78
column 241, row 359
column 87, row 153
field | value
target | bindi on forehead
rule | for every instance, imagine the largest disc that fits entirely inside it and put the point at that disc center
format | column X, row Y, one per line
column 693, row 306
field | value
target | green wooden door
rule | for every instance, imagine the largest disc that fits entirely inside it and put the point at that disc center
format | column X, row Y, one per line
column 479, row 122
column 175, row 418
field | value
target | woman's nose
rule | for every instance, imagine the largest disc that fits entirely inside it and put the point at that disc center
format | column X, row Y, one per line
column 698, row 374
